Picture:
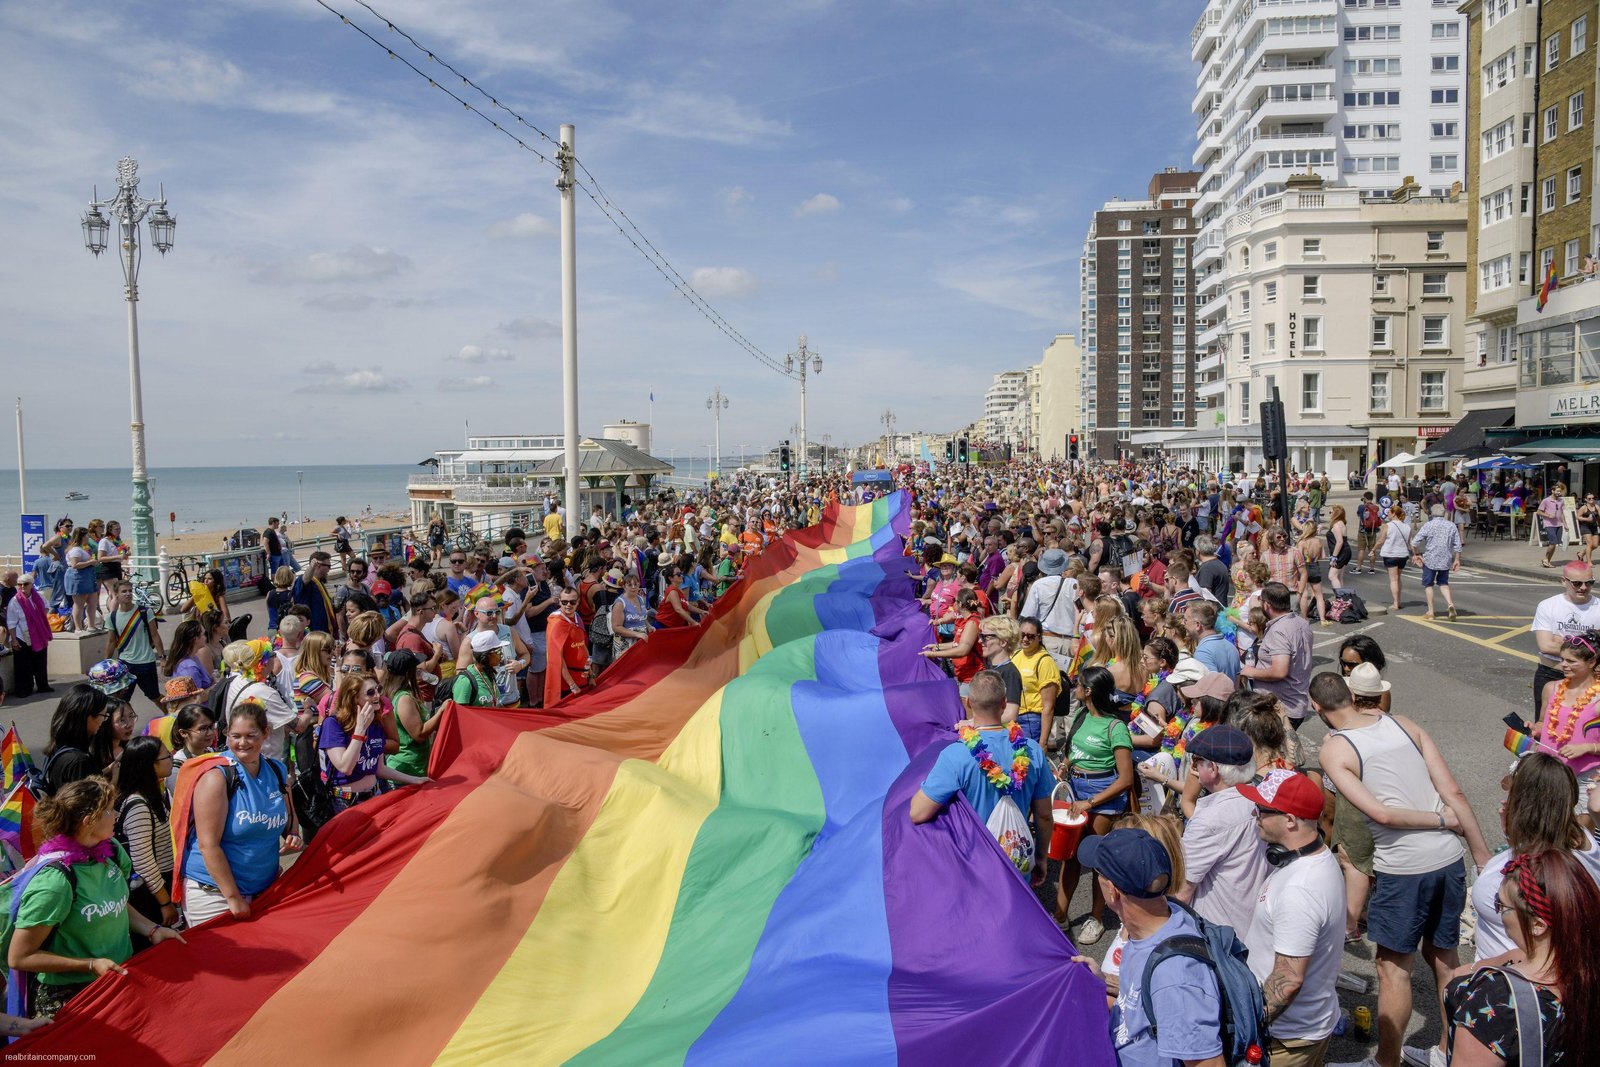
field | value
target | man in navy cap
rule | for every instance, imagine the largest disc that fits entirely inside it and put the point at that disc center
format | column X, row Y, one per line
column 1224, row 859
column 1135, row 873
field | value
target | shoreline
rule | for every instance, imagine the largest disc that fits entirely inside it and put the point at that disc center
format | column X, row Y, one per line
column 193, row 542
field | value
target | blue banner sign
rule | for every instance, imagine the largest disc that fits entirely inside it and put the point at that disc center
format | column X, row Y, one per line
column 32, row 541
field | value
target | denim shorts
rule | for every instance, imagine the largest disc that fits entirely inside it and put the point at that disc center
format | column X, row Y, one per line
column 1434, row 577
column 1032, row 722
column 1551, row 535
column 1087, row 788
column 1405, row 909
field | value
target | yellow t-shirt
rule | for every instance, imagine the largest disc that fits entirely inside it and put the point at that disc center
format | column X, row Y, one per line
column 552, row 525
column 200, row 593
column 1038, row 671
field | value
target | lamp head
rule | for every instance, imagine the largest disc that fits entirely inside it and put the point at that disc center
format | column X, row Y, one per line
column 162, row 229
column 96, row 230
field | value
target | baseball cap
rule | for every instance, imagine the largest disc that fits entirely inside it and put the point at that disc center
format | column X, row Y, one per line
column 1223, row 744
column 485, row 640
column 1129, row 859
column 1287, row 791
column 1210, row 684
column 381, row 588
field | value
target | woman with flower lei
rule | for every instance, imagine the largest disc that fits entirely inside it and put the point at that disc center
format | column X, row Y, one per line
column 1570, row 725
column 1099, row 771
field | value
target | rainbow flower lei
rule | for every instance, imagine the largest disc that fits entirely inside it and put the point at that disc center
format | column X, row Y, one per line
column 1137, row 704
column 1020, row 761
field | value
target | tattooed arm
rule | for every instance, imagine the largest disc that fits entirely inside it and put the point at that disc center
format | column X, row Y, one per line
column 1283, row 984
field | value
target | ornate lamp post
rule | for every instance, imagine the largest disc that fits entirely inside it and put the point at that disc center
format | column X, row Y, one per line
column 799, row 362
column 717, row 404
column 127, row 209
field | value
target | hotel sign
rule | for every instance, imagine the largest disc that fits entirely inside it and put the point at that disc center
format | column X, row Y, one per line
column 1294, row 325
column 1575, row 405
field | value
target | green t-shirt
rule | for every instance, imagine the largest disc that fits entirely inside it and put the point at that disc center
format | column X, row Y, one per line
column 92, row 924
column 1094, row 745
column 138, row 648
column 413, row 755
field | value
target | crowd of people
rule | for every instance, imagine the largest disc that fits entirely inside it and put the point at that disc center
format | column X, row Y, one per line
column 1134, row 649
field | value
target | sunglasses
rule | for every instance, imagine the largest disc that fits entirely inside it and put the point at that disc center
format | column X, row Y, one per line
column 370, row 692
column 458, row 561
column 1579, row 585
column 1262, row 812
column 1347, row 666
column 1030, row 635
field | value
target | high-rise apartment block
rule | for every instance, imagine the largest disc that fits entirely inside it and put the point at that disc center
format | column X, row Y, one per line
column 1361, row 93
column 1137, row 319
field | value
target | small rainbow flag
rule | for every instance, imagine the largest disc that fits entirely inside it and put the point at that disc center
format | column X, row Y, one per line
column 1081, row 660
column 1520, row 744
column 16, row 821
column 1550, row 284
column 14, row 759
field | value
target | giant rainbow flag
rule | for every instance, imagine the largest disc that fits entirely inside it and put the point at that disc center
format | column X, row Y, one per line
column 708, row 860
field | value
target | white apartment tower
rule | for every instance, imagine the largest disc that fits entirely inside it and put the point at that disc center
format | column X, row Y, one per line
column 1363, row 93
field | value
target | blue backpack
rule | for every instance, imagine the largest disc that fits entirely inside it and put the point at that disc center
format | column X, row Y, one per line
column 1244, row 1009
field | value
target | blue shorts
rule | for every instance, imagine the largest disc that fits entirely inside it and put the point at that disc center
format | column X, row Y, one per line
column 1551, row 535
column 1433, row 577
column 1087, row 788
column 1407, row 908
column 1032, row 723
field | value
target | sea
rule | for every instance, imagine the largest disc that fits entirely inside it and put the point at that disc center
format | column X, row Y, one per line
column 225, row 498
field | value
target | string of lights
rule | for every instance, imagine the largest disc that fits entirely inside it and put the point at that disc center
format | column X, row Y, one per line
column 613, row 213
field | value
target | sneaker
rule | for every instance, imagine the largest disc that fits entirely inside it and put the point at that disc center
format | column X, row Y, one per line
column 1091, row 931
column 1423, row 1057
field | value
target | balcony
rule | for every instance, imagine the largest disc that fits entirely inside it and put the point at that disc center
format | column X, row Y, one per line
column 1303, row 109
column 1215, row 387
column 1210, row 362
column 1278, row 73
column 1207, row 31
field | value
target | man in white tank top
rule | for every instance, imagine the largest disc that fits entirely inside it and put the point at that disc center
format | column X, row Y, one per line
column 1389, row 768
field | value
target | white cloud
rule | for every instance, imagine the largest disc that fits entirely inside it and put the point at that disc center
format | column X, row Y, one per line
column 821, row 204
column 723, row 281
column 526, row 224
column 358, row 263
column 901, row 204
column 477, row 354
column 736, row 198
column 466, row 385
column 528, row 327
column 698, row 117
column 331, row 378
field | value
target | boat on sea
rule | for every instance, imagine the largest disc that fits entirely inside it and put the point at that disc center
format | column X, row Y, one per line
column 75, row 495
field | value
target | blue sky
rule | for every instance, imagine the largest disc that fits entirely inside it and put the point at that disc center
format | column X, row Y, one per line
column 361, row 265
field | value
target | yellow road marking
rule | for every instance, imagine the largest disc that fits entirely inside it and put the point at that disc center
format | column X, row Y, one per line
column 1481, row 642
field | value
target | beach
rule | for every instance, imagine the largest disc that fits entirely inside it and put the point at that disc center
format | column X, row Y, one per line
column 192, row 542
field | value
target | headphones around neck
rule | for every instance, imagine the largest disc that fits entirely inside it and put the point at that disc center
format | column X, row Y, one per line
column 1282, row 855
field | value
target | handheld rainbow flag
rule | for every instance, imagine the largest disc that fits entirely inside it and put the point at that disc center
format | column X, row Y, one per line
column 707, row 858
column 1520, row 744
column 15, row 762
column 1551, row 284
column 16, row 821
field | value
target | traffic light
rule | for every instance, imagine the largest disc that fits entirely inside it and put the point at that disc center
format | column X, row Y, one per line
column 1072, row 446
column 949, row 451
column 962, row 451
column 1008, row 451
column 783, row 458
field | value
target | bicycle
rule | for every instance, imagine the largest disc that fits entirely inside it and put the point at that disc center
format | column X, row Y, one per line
column 147, row 595
column 177, row 586
column 467, row 539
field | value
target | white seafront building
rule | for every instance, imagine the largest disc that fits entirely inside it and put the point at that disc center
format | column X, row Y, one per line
column 1361, row 93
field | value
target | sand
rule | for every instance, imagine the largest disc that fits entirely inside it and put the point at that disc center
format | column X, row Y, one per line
column 194, row 541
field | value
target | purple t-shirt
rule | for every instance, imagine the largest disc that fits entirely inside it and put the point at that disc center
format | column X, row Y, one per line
column 334, row 736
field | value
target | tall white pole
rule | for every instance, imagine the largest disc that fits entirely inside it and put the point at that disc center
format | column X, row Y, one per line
column 802, row 413
column 22, row 465
column 567, row 183
column 144, row 530
column 300, row 485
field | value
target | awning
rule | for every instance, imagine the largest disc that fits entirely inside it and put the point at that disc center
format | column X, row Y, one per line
column 1465, row 439
column 1564, row 447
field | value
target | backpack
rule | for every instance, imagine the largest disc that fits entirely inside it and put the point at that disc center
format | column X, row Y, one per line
column 1347, row 606
column 313, row 804
column 38, row 778
column 182, row 816
column 21, row 985
column 1243, row 1008
column 600, row 638
column 1371, row 516
column 217, row 700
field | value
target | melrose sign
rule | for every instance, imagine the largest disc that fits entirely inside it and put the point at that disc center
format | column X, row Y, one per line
column 1580, row 405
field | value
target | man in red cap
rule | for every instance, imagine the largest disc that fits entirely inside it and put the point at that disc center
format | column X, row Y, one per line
column 1296, row 936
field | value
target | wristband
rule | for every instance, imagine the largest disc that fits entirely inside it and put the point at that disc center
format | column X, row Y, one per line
column 358, row 737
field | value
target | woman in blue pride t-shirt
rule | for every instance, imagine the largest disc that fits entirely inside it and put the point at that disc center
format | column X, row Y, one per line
column 232, row 855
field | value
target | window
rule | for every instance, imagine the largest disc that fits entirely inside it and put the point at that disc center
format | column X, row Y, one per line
column 1505, row 348
column 1527, row 130
column 1380, row 285
column 1311, row 333
column 1390, row 98
column 1444, row 96
column 1580, row 34
column 1272, row 339
column 1269, row 293
column 1436, row 285
column 1430, row 391
column 1552, row 51
column 1574, row 184
column 1244, row 401
column 1435, row 241
column 1124, row 225
column 1311, row 392
column 1495, row 10
column 1244, row 257
column 1527, row 60
column 1575, row 111
column 1494, row 274
column 1373, row 131
column 1435, row 331
column 1311, row 247
column 1547, row 198
column 1527, row 197
column 1445, row 129
column 1446, row 64
column 1371, row 164
column 1244, row 302
column 1498, row 72
column 1244, row 345
column 1180, row 223
column 1442, row 162
column 1311, row 287
column 1380, row 331
column 1372, row 33
column 1269, row 252
column 1379, row 65
column 1446, row 31
column 1496, row 206
column 1524, row 262
column 1547, row 256
column 1378, row 391
column 1570, row 265
column 1497, row 141
column 1552, row 122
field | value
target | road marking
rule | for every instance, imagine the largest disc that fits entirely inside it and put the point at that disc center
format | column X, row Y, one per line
column 1325, row 642
column 1481, row 642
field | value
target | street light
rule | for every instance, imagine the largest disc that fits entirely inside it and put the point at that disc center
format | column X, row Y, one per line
column 128, row 209
column 887, row 418
column 717, row 403
column 800, row 361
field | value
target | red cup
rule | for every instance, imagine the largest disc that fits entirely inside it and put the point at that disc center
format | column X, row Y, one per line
column 1067, row 832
